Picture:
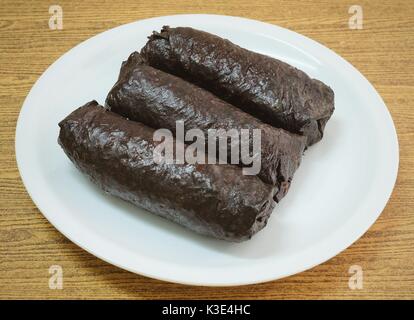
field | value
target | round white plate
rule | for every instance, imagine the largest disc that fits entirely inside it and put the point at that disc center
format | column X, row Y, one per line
column 338, row 192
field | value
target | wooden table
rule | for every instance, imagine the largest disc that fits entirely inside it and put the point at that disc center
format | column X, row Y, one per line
column 383, row 51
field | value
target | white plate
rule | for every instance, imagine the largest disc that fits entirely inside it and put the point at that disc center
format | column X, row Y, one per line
column 338, row 192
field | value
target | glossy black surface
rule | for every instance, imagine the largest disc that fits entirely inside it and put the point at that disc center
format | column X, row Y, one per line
column 117, row 155
column 159, row 99
column 267, row 88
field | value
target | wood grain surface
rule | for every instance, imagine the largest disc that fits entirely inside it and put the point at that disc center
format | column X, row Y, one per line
column 383, row 51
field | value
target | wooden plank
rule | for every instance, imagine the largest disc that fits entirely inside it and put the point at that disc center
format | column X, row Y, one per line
column 383, row 51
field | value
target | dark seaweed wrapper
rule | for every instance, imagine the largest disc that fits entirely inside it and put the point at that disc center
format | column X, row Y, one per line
column 267, row 88
column 117, row 155
column 159, row 100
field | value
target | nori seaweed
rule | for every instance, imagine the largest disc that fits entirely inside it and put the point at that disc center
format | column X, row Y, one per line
column 159, row 99
column 267, row 88
column 117, row 155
